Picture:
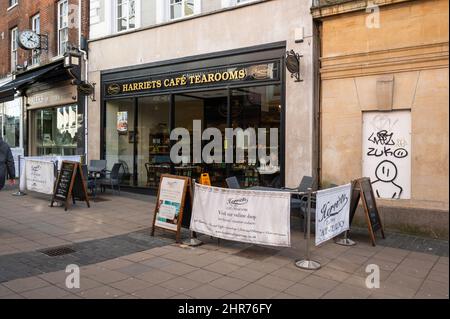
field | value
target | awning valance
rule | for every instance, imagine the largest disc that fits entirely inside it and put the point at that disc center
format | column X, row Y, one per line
column 8, row 90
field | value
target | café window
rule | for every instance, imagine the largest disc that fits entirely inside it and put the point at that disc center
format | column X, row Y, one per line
column 10, row 122
column 14, row 48
column 63, row 26
column 126, row 14
column 182, row 8
column 56, row 131
column 36, row 27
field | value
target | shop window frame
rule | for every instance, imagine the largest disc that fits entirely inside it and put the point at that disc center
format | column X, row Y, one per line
column 237, row 52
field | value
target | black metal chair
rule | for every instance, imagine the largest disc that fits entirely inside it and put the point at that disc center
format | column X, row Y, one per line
column 113, row 177
column 88, row 182
column 300, row 202
column 97, row 165
column 233, row 182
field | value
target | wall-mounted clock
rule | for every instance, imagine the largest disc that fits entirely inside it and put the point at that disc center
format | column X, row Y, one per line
column 29, row 40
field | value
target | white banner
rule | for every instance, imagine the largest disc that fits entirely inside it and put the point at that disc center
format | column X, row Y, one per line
column 52, row 159
column 250, row 216
column 40, row 176
column 332, row 212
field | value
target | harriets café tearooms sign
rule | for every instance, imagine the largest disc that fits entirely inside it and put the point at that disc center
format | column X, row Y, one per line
column 199, row 78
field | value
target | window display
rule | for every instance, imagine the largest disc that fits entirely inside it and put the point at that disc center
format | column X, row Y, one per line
column 57, row 131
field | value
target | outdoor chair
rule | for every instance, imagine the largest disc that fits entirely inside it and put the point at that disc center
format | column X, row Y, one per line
column 300, row 202
column 97, row 166
column 88, row 182
column 113, row 177
column 233, row 182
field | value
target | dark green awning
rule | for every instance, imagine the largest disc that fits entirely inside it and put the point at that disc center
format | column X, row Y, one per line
column 8, row 90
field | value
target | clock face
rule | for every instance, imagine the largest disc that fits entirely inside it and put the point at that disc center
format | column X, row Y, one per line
column 29, row 40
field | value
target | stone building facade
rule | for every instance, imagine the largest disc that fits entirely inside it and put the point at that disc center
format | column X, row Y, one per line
column 384, row 105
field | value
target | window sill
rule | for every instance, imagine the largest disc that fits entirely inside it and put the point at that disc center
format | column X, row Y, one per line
column 12, row 7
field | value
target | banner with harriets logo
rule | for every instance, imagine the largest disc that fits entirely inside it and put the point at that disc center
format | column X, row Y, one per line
column 40, row 176
column 250, row 216
column 332, row 212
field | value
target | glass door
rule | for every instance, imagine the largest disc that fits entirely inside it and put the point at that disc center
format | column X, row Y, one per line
column 258, row 109
column 153, row 140
column 120, row 137
column 209, row 110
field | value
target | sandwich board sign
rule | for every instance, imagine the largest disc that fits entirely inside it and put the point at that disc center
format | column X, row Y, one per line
column 170, row 203
column 70, row 185
column 362, row 189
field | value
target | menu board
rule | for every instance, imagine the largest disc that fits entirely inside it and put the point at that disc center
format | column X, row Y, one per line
column 370, row 205
column 64, row 181
column 362, row 189
column 70, row 184
column 168, row 214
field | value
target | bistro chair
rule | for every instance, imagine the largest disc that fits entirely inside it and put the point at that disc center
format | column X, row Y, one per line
column 88, row 182
column 113, row 178
column 232, row 182
column 300, row 202
column 97, row 166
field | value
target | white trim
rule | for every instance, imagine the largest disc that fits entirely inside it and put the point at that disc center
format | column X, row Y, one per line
column 13, row 6
column 137, row 17
column 58, row 26
column 14, row 33
column 36, row 28
column 195, row 10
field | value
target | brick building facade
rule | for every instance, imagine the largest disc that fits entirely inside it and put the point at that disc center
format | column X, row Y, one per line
column 38, row 90
column 21, row 15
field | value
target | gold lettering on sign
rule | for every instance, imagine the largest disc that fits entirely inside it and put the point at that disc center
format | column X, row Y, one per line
column 201, row 78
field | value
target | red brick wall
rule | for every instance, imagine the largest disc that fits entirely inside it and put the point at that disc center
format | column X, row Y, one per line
column 21, row 15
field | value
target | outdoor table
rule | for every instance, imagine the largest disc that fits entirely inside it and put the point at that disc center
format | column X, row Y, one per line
column 95, row 172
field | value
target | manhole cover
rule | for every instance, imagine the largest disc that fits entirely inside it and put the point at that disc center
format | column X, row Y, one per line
column 58, row 251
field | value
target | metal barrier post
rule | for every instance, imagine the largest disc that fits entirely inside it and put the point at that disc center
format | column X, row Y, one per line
column 308, row 263
column 193, row 240
column 19, row 192
column 345, row 241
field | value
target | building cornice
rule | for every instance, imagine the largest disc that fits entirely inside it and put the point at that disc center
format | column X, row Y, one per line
column 412, row 58
column 327, row 8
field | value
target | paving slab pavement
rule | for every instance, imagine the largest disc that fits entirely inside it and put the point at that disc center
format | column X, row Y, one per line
column 119, row 259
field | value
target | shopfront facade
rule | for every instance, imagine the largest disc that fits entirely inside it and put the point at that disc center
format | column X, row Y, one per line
column 242, row 91
column 55, row 121
column 42, row 113
column 215, row 78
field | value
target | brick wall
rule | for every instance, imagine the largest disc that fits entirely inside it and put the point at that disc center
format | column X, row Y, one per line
column 20, row 16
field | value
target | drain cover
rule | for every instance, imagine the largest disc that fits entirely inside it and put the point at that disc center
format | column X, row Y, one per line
column 58, row 251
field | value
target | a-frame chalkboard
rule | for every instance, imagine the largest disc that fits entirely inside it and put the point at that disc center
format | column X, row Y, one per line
column 362, row 189
column 70, row 185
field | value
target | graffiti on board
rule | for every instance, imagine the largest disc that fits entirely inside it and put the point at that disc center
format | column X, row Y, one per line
column 386, row 153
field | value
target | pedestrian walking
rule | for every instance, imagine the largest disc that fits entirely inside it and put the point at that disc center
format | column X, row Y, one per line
column 6, row 164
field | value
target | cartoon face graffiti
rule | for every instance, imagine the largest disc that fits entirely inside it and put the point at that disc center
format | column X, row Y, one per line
column 386, row 171
column 384, row 185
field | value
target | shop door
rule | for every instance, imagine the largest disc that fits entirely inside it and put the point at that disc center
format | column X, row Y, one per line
column 209, row 110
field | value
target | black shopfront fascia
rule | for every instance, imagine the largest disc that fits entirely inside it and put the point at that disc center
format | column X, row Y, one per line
column 207, row 63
